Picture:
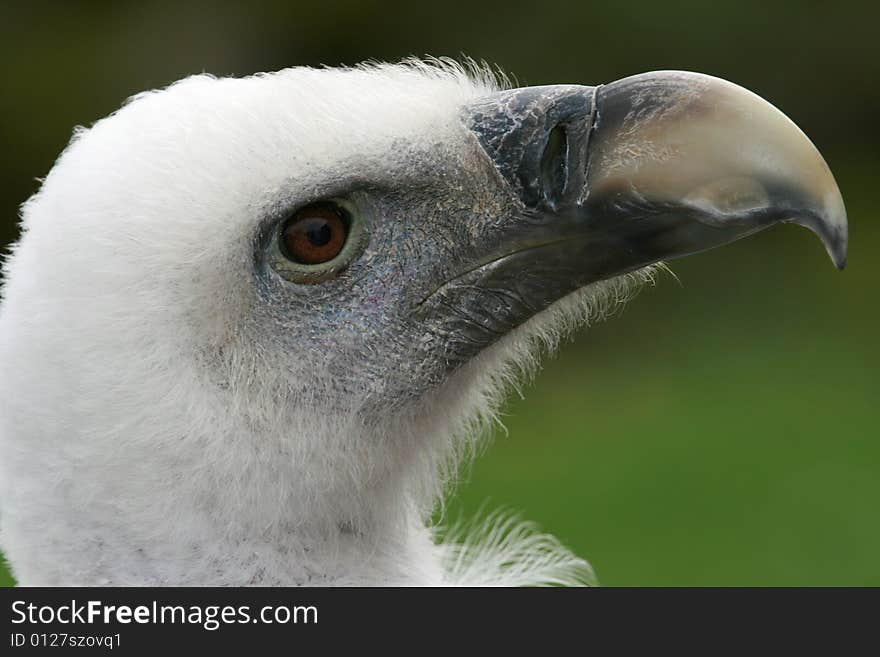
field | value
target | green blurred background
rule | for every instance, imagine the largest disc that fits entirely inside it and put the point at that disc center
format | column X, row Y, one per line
column 723, row 430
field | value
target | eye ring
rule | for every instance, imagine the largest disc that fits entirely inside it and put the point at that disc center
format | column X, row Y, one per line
column 317, row 241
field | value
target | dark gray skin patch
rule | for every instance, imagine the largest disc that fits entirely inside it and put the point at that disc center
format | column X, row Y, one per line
column 355, row 338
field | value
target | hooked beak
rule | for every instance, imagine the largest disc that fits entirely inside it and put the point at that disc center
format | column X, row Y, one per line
column 613, row 178
column 722, row 159
column 658, row 166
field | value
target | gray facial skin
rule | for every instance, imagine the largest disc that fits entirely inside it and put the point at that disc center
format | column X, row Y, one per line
column 548, row 190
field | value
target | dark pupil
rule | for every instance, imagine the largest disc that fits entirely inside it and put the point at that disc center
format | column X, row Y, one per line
column 318, row 232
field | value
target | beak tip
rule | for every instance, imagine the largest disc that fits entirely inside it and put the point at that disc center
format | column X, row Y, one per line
column 836, row 228
column 837, row 239
column 836, row 246
column 832, row 230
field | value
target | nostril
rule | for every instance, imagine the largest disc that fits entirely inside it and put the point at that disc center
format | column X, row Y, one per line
column 554, row 165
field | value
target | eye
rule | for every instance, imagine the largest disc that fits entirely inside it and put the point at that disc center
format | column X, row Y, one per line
column 315, row 234
column 317, row 241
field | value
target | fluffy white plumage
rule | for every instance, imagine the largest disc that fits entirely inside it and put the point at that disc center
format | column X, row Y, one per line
column 146, row 439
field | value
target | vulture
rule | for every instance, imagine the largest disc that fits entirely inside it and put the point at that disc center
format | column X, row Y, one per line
column 253, row 326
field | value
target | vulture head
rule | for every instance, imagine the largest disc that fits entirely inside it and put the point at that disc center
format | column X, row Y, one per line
column 252, row 324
